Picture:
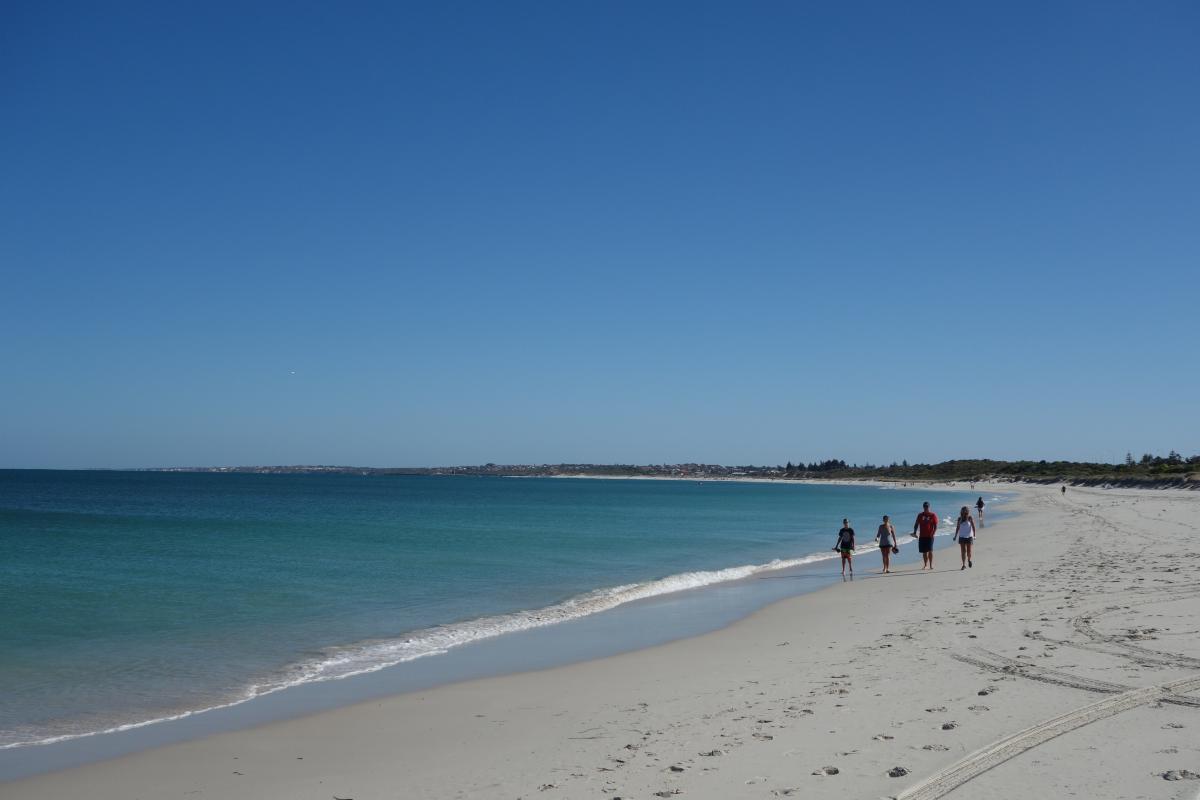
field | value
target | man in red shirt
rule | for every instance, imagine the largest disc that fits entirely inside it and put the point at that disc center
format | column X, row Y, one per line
column 926, row 527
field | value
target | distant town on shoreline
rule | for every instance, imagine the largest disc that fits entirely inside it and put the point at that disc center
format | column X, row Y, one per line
column 1148, row 470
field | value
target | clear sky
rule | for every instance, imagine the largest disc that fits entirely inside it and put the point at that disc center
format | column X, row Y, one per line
column 442, row 233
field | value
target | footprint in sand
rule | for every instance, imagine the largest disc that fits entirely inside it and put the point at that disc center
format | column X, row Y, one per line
column 1180, row 775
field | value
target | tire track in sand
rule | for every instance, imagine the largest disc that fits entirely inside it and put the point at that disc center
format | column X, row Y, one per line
column 944, row 781
column 1099, row 640
column 1114, row 644
column 994, row 662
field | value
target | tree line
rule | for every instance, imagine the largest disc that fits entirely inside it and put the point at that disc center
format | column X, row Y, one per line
column 1148, row 466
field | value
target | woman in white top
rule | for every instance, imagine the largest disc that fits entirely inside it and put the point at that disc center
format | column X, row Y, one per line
column 964, row 531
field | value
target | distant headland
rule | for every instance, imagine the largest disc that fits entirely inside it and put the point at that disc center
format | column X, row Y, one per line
column 1151, row 471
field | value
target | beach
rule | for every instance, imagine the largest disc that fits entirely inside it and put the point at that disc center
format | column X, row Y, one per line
column 137, row 599
column 1066, row 660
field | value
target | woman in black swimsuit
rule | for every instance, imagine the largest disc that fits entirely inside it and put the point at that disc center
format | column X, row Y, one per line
column 886, row 536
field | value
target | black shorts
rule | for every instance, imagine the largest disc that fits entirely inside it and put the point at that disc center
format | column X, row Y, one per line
column 925, row 544
column 885, row 547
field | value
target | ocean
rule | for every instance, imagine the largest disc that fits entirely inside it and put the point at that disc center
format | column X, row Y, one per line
column 133, row 597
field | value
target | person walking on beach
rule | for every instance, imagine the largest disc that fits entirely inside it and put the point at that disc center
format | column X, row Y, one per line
column 925, row 528
column 886, row 536
column 845, row 546
column 964, row 532
column 979, row 507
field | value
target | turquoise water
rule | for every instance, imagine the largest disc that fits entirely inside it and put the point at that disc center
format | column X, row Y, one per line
column 128, row 597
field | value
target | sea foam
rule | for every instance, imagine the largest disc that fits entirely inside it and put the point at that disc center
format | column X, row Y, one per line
column 347, row 661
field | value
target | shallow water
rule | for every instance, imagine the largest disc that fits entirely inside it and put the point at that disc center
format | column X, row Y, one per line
column 130, row 597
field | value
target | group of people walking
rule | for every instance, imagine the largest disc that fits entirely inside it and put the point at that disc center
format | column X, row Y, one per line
column 924, row 529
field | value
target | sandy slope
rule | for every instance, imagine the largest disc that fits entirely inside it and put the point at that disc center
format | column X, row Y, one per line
column 1065, row 663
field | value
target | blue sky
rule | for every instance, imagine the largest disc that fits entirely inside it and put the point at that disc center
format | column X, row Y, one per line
column 402, row 234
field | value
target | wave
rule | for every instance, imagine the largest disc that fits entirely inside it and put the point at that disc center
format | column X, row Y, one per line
column 373, row 655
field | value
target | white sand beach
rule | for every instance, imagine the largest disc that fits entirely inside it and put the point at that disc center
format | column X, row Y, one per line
column 1066, row 662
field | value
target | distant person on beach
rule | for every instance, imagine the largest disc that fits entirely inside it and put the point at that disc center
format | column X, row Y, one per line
column 925, row 528
column 845, row 546
column 886, row 536
column 1064, row 490
column 964, row 531
column 979, row 508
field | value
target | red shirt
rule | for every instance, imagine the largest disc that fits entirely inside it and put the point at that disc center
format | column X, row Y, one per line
column 927, row 523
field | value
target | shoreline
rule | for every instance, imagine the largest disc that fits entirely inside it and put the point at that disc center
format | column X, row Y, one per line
column 720, row 578
column 876, row 483
column 990, row 483
column 823, row 679
column 637, row 610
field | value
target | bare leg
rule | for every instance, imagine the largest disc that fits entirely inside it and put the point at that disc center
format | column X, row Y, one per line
column 971, row 553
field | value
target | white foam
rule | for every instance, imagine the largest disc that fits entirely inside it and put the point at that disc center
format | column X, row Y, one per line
column 372, row 656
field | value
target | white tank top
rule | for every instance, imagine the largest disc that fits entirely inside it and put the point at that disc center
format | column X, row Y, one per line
column 964, row 529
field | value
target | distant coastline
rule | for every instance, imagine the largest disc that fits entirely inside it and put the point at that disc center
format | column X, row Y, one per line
column 1172, row 471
